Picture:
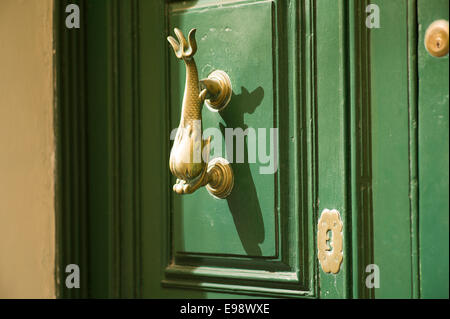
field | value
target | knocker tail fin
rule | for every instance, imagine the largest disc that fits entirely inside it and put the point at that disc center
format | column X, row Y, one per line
column 183, row 49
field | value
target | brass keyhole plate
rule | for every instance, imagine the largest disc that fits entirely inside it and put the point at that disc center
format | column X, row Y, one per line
column 329, row 241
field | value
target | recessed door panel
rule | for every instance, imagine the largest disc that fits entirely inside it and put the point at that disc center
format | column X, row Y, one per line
column 237, row 39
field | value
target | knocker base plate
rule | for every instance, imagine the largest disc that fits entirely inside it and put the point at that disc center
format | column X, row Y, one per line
column 221, row 178
column 219, row 102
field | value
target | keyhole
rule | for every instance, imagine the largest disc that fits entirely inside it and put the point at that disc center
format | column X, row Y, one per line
column 329, row 237
column 438, row 43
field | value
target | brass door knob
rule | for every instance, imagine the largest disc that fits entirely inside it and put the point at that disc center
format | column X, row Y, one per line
column 189, row 157
column 436, row 38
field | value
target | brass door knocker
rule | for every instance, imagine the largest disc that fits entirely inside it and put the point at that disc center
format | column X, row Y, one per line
column 189, row 157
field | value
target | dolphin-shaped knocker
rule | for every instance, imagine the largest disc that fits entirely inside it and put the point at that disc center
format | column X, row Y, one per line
column 189, row 157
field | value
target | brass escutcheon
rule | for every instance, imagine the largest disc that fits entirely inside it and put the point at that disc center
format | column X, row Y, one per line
column 329, row 248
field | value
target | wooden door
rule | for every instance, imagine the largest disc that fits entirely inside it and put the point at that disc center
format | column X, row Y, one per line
column 342, row 99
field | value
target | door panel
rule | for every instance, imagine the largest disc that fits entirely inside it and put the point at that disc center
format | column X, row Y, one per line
column 433, row 150
column 392, row 105
column 248, row 242
column 248, row 218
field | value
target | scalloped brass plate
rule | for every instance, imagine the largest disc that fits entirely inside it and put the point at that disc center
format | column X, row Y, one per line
column 329, row 241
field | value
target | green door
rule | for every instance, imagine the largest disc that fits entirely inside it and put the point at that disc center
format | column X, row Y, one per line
column 433, row 128
column 330, row 116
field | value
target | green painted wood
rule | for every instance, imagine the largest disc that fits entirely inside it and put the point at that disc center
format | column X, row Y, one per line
column 70, row 129
column 98, row 149
column 302, row 84
column 360, row 147
column 156, row 136
column 433, row 124
column 345, row 101
column 413, row 144
column 115, row 215
column 331, row 87
column 101, row 207
column 390, row 151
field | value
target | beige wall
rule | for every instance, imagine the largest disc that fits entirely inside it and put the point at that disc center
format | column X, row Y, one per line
column 27, row 151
